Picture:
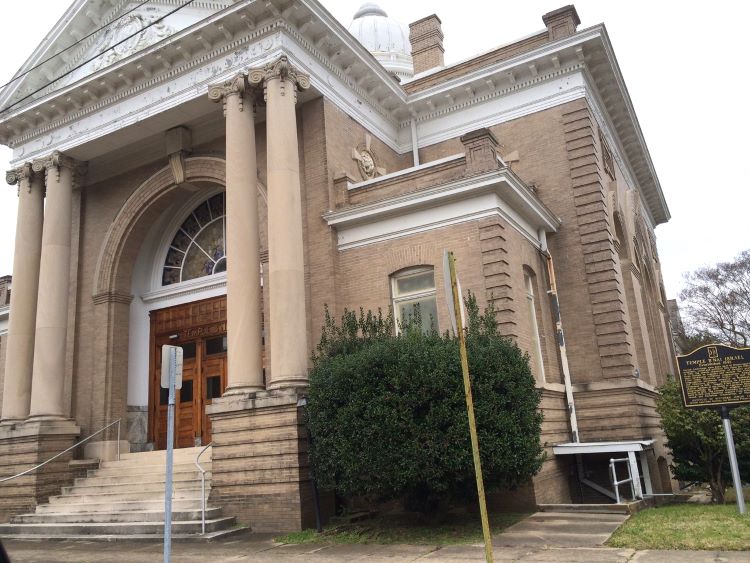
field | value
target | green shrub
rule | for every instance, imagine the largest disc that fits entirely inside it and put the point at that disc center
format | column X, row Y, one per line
column 388, row 415
column 696, row 439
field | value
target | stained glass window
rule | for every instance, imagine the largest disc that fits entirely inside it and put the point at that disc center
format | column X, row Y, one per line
column 197, row 249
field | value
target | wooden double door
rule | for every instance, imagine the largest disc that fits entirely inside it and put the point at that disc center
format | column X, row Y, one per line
column 200, row 329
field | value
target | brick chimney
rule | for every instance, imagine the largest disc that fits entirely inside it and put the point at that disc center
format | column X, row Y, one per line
column 426, row 38
column 561, row 22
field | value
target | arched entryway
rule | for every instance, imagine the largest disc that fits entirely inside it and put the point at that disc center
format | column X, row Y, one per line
column 136, row 287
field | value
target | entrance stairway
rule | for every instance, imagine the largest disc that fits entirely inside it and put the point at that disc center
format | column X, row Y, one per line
column 125, row 499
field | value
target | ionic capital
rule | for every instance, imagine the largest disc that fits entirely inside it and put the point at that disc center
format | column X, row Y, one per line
column 16, row 175
column 279, row 70
column 56, row 161
column 234, row 86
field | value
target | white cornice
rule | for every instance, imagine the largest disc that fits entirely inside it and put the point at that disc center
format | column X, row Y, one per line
column 494, row 193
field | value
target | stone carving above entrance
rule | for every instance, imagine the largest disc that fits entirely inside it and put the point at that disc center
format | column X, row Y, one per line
column 366, row 160
column 122, row 39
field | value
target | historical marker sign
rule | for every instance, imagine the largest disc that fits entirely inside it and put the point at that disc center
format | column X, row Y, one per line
column 715, row 376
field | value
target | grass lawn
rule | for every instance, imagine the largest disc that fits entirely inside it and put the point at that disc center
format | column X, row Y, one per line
column 406, row 529
column 685, row 526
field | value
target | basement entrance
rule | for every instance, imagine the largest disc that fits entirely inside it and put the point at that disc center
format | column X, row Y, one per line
column 200, row 328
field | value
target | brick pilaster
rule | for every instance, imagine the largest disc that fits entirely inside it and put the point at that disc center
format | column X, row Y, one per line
column 602, row 272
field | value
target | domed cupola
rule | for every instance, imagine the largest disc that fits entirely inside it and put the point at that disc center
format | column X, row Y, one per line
column 385, row 38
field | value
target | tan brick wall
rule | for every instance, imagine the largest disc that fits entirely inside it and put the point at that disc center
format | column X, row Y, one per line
column 260, row 468
column 3, row 352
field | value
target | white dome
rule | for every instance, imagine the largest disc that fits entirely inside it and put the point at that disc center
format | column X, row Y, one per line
column 385, row 38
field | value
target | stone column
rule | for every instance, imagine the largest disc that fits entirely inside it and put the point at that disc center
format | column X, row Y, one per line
column 244, row 346
column 28, row 246
column 54, row 281
column 288, row 322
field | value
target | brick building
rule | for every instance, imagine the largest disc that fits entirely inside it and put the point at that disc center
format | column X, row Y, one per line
column 333, row 166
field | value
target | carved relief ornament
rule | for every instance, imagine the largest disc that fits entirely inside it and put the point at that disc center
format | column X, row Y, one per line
column 366, row 160
column 279, row 70
column 57, row 160
column 234, row 86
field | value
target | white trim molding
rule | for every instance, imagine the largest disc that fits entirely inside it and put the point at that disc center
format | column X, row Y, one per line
column 498, row 192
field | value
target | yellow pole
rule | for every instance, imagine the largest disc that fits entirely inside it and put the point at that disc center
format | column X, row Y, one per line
column 470, row 410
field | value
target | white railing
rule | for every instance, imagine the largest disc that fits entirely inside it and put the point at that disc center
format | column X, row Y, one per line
column 615, row 483
column 203, row 487
column 117, row 422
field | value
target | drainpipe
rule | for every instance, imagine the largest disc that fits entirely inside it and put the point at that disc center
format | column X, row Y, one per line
column 414, row 142
column 560, row 336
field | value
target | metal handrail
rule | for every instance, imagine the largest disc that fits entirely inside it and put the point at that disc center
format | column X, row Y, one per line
column 617, row 483
column 203, row 487
column 117, row 422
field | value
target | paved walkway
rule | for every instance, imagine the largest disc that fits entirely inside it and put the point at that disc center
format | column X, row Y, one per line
column 261, row 549
column 561, row 529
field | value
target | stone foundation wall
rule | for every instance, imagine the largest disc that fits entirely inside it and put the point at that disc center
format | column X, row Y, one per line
column 24, row 445
column 260, row 468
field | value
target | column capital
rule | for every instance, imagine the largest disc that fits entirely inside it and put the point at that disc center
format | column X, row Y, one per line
column 58, row 160
column 236, row 86
column 280, row 69
column 15, row 175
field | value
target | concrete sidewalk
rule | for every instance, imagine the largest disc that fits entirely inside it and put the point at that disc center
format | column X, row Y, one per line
column 259, row 548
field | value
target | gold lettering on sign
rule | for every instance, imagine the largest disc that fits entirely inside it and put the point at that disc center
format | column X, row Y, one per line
column 713, row 376
column 203, row 331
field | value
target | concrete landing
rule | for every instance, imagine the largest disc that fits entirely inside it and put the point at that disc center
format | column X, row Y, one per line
column 561, row 529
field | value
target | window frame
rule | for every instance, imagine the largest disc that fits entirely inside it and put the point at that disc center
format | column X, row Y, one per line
column 529, row 279
column 397, row 298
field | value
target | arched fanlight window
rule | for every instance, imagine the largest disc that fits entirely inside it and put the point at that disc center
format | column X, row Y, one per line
column 198, row 249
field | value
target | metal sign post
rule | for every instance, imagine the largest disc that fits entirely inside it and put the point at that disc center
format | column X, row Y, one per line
column 733, row 460
column 171, row 378
column 714, row 376
column 458, row 320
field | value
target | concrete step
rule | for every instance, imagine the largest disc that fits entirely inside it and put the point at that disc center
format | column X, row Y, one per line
column 594, row 508
column 152, row 505
column 114, row 528
column 125, row 478
column 185, row 455
column 157, row 469
column 207, row 537
column 125, row 499
column 152, row 462
column 126, row 496
column 95, row 489
column 178, row 452
column 114, row 516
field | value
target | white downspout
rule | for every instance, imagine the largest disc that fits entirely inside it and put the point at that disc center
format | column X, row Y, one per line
column 560, row 336
column 414, row 142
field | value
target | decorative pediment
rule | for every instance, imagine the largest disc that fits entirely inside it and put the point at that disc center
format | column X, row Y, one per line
column 112, row 29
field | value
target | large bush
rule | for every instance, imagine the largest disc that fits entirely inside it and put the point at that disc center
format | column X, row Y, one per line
column 388, row 416
column 696, row 438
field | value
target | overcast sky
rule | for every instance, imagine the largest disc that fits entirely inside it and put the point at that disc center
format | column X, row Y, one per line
column 683, row 63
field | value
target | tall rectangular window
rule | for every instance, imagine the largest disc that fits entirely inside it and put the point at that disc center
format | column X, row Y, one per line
column 415, row 287
column 536, row 344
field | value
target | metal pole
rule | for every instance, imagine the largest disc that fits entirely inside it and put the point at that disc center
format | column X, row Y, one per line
column 118, row 439
column 470, row 410
column 733, row 460
column 170, row 451
column 613, row 471
column 203, row 503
